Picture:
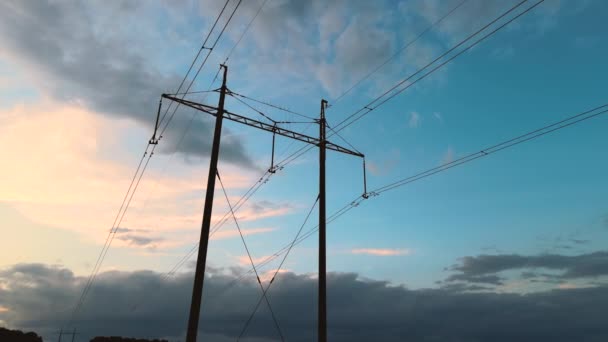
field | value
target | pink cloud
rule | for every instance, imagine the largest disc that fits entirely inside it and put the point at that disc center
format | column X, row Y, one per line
column 244, row 260
column 68, row 168
column 381, row 251
column 232, row 233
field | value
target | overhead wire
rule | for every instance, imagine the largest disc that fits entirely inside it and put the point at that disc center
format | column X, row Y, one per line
column 236, row 222
column 203, row 47
column 277, row 270
column 356, row 202
column 586, row 115
column 217, row 39
column 572, row 120
column 263, row 179
column 398, row 52
column 265, row 103
column 138, row 175
column 357, row 115
column 245, row 31
column 106, row 243
column 369, row 108
column 254, row 109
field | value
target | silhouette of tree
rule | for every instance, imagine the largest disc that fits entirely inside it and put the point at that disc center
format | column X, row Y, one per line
column 18, row 336
column 122, row 339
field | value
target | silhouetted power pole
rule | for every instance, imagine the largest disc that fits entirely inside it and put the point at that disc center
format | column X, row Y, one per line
column 322, row 305
column 61, row 333
column 220, row 113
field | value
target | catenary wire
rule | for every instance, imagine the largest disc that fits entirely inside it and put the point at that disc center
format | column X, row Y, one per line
column 366, row 109
column 578, row 118
column 403, row 48
column 113, row 230
column 236, row 222
column 255, row 309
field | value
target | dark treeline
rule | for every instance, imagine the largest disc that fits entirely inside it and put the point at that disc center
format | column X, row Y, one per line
column 122, row 339
column 7, row 335
column 18, row 336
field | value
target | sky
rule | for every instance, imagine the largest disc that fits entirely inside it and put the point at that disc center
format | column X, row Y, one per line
column 523, row 230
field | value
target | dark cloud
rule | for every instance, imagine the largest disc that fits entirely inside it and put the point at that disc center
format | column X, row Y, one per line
column 262, row 206
column 138, row 237
column 482, row 279
column 140, row 240
column 93, row 53
column 484, row 268
column 143, row 304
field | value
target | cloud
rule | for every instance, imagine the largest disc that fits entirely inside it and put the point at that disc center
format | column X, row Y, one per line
column 414, row 120
column 243, row 260
column 381, row 251
column 438, row 116
column 140, row 240
column 89, row 174
column 144, row 304
column 484, row 268
column 448, row 156
column 80, row 57
column 385, row 165
column 233, row 233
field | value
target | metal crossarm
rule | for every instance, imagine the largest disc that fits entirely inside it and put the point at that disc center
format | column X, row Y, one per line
column 261, row 125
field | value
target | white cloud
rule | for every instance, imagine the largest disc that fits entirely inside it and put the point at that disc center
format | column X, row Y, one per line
column 381, row 251
column 414, row 120
column 448, row 156
column 438, row 116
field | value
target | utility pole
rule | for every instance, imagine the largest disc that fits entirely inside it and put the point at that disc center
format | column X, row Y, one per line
column 201, row 261
column 220, row 113
column 322, row 305
column 61, row 333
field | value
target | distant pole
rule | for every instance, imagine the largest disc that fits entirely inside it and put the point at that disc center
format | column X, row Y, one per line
column 73, row 334
column 60, row 334
column 199, row 275
column 322, row 240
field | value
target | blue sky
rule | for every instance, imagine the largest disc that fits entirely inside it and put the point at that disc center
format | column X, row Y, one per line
column 78, row 104
column 544, row 67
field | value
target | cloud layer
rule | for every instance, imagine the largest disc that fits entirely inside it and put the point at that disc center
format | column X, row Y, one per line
column 98, row 56
column 486, row 268
column 39, row 297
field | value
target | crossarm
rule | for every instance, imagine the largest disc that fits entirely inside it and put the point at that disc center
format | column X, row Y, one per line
column 262, row 125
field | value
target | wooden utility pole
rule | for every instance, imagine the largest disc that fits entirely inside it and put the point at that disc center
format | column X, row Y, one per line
column 61, row 333
column 322, row 305
column 201, row 261
column 220, row 113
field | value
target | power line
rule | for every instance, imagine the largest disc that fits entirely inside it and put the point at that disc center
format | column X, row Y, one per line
column 353, row 204
column 217, row 226
column 250, row 318
column 236, row 222
column 403, row 48
column 257, row 184
column 106, row 244
column 139, row 175
column 367, row 108
column 499, row 147
column 572, row 120
column 203, row 63
column 342, row 138
column 196, row 57
column 245, row 31
column 254, row 109
column 370, row 107
column 265, row 103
